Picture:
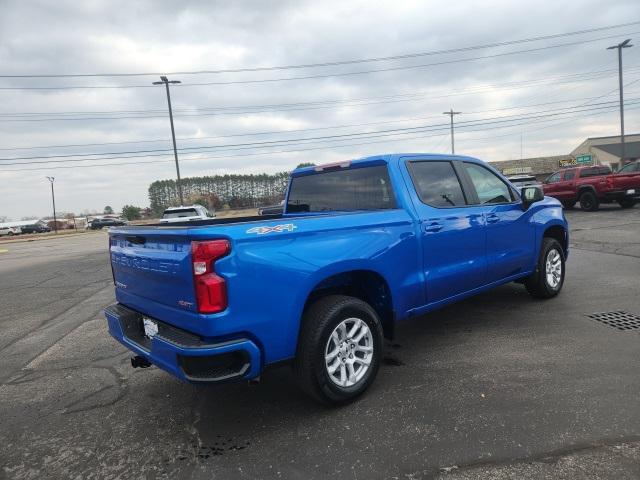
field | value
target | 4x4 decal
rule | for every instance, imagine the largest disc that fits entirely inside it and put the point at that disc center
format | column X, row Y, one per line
column 285, row 227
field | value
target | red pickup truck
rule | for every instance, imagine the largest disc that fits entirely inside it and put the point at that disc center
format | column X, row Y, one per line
column 594, row 185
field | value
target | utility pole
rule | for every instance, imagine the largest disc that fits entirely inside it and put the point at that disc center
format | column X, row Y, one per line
column 520, row 145
column 165, row 81
column 451, row 113
column 53, row 198
column 619, row 47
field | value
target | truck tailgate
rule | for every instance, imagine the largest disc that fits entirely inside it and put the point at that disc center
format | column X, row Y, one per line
column 154, row 266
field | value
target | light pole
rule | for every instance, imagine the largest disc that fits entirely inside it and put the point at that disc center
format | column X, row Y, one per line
column 619, row 47
column 451, row 113
column 53, row 198
column 165, row 81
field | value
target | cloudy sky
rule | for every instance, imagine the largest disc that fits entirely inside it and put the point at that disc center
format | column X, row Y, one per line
column 105, row 144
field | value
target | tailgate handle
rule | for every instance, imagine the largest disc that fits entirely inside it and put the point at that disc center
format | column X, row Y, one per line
column 136, row 240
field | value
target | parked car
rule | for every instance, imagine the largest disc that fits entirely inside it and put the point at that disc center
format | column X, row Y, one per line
column 272, row 209
column 10, row 231
column 520, row 181
column 592, row 186
column 36, row 228
column 360, row 246
column 100, row 223
column 182, row 214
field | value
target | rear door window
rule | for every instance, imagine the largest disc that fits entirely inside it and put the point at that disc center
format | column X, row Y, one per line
column 364, row 188
column 569, row 175
column 437, row 183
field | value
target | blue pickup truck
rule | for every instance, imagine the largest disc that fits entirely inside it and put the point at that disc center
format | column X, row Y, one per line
column 360, row 245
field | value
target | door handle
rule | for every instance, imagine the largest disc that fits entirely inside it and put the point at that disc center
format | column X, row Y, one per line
column 492, row 218
column 432, row 227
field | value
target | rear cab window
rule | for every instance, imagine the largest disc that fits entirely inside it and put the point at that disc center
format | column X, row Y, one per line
column 594, row 172
column 179, row 213
column 351, row 189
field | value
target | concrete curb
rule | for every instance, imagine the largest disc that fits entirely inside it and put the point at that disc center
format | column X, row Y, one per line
column 28, row 238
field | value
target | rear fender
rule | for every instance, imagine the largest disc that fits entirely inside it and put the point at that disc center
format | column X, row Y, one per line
column 321, row 275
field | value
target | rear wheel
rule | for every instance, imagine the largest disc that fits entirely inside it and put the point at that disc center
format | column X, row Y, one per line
column 339, row 350
column 547, row 280
column 589, row 201
column 626, row 202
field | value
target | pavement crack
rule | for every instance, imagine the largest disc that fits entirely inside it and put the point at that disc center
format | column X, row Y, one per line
column 49, row 320
column 548, row 457
column 120, row 384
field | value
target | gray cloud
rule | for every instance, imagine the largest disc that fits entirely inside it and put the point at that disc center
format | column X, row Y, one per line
column 92, row 37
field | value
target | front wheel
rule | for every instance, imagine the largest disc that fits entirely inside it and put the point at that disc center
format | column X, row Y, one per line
column 547, row 280
column 339, row 350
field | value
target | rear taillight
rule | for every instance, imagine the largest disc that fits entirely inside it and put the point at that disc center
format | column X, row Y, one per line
column 113, row 273
column 211, row 289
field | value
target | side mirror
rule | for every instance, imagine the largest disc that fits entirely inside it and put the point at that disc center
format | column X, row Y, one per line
column 529, row 195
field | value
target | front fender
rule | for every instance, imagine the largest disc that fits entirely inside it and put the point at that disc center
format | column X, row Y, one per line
column 549, row 213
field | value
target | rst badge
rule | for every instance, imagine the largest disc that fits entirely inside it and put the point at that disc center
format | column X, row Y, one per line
column 285, row 227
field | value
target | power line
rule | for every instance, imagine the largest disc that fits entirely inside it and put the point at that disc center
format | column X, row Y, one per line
column 555, row 79
column 404, row 97
column 331, row 63
column 261, row 153
column 280, row 143
column 572, row 76
column 327, row 75
column 183, row 149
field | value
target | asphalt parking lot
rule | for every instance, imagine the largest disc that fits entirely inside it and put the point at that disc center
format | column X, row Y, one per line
column 498, row 386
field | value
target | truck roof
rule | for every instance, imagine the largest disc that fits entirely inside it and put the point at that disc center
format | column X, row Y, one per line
column 385, row 157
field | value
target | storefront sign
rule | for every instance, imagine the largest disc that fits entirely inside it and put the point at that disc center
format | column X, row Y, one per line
column 516, row 170
column 584, row 159
column 568, row 162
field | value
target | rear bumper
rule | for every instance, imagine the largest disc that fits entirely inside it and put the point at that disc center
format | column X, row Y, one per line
column 622, row 194
column 183, row 354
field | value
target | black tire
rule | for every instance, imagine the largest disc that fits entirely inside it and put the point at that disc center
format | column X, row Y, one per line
column 10, row 234
column 568, row 205
column 318, row 323
column 627, row 202
column 589, row 201
column 538, row 284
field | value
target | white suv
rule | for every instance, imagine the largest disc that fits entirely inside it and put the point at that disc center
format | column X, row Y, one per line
column 185, row 214
column 10, row 231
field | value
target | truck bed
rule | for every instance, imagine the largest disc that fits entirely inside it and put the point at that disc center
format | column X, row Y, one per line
column 214, row 221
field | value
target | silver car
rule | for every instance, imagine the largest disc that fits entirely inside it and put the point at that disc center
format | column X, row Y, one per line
column 520, row 181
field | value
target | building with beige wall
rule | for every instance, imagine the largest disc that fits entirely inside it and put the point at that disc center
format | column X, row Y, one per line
column 608, row 150
column 540, row 167
column 602, row 151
